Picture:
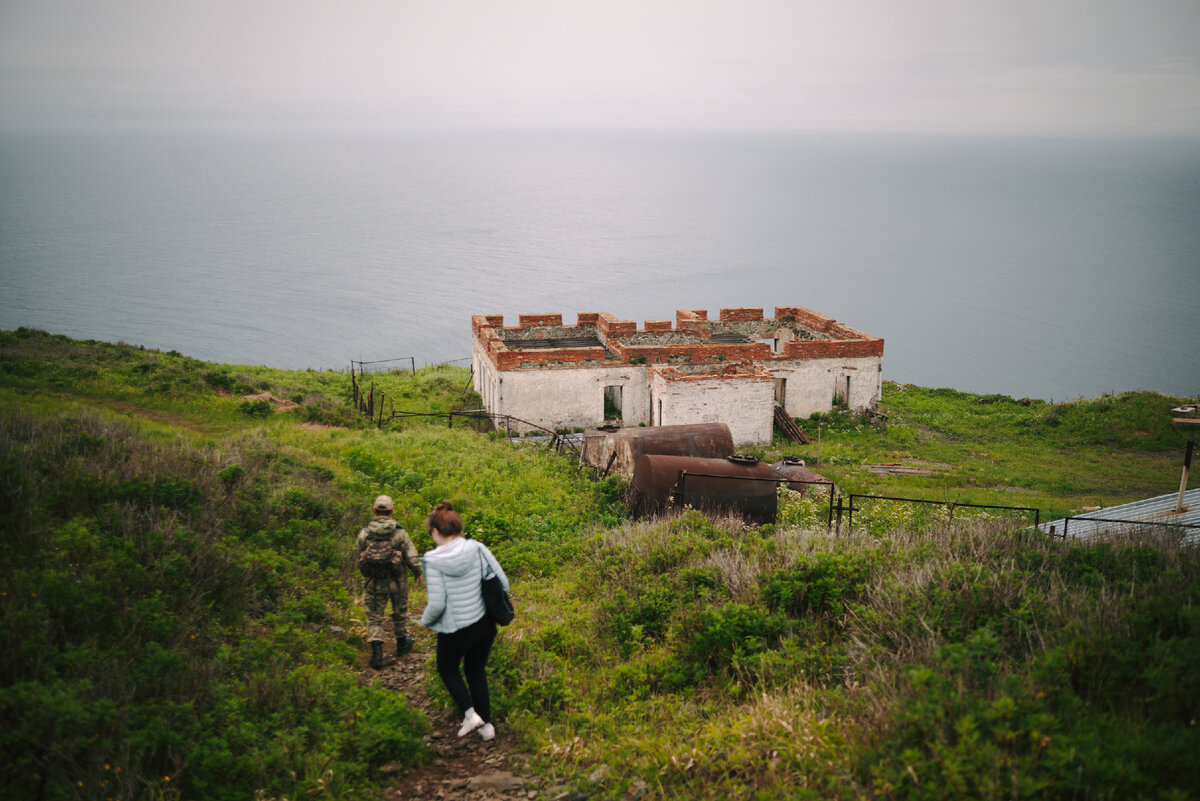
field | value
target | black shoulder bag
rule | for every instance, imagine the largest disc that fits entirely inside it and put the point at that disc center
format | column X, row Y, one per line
column 495, row 600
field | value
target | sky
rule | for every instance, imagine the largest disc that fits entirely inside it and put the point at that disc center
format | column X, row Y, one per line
column 1032, row 67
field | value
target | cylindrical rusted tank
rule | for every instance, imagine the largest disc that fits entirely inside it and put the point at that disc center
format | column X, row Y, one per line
column 737, row 484
column 709, row 440
column 799, row 477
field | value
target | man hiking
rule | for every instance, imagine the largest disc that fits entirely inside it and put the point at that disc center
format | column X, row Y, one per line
column 385, row 552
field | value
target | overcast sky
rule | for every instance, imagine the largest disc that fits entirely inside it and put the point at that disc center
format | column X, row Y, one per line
column 1017, row 66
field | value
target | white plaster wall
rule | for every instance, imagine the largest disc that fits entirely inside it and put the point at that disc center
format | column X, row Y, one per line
column 485, row 379
column 746, row 406
column 812, row 383
column 571, row 397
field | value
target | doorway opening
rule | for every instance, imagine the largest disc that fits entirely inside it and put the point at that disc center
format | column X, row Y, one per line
column 612, row 403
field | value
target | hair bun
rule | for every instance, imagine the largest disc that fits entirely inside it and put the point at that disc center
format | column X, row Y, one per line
column 444, row 506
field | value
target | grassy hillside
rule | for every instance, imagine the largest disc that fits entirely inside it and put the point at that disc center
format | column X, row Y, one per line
column 180, row 615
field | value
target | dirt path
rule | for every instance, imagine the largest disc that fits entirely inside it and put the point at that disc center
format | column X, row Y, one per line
column 462, row 769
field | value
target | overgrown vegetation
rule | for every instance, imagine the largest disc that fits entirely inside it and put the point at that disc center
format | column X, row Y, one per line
column 708, row 660
column 181, row 619
column 180, row 614
column 992, row 449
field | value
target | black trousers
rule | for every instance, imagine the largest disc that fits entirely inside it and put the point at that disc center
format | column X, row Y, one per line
column 470, row 646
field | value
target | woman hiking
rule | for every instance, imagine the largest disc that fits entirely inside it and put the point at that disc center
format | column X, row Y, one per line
column 455, row 610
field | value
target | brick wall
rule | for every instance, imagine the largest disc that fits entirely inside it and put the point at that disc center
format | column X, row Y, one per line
column 658, row 325
column 833, row 348
column 808, row 317
column 526, row 320
column 611, row 328
column 693, row 354
column 693, row 321
column 741, row 315
column 513, row 359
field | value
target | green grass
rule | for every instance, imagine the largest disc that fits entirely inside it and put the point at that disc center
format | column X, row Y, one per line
column 994, row 450
column 181, row 617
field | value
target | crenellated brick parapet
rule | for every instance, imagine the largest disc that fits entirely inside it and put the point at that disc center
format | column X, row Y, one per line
column 527, row 320
column 806, row 317
column 833, row 348
column 508, row 359
column 694, row 322
column 740, row 315
column 541, row 340
column 482, row 321
column 611, row 328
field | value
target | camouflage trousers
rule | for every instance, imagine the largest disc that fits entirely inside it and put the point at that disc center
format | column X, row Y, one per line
column 377, row 593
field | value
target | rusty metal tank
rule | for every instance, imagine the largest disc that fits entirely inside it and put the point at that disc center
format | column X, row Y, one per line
column 739, row 484
column 618, row 450
column 799, row 477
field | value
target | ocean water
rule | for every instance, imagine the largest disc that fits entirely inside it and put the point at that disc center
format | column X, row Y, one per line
column 1043, row 268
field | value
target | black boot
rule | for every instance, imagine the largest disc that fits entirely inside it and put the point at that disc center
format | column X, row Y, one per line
column 376, row 655
column 403, row 646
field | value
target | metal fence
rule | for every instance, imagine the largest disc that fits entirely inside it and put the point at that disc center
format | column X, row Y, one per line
column 1087, row 526
column 951, row 506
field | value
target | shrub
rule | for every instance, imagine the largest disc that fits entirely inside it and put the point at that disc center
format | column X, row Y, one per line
column 259, row 408
column 821, row 584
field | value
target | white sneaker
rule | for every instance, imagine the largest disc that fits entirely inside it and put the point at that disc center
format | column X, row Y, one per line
column 471, row 722
column 487, row 731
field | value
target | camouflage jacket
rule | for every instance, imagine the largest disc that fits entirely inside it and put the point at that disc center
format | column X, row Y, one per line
column 401, row 542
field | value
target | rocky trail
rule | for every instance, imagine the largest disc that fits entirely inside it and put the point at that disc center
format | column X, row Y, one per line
column 461, row 769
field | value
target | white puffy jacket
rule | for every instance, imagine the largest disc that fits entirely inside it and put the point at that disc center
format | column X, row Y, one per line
column 453, row 572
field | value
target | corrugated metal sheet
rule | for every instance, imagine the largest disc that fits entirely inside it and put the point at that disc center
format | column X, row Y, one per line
column 1155, row 512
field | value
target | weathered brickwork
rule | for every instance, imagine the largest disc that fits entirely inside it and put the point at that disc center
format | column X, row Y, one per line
column 539, row 319
column 551, row 376
column 740, row 315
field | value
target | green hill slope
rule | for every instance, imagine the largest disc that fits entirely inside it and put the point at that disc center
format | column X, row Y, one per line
column 181, row 618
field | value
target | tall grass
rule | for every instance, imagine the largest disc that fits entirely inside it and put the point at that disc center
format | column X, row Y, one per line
column 176, row 628
column 973, row 660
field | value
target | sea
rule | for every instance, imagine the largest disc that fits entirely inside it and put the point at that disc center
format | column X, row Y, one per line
column 1043, row 268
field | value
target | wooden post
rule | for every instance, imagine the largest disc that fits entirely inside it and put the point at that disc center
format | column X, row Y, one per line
column 1183, row 481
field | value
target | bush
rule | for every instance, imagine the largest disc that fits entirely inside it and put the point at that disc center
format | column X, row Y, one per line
column 823, row 584
column 259, row 408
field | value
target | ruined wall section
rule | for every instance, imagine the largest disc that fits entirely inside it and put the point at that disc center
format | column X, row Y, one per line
column 813, row 385
column 571, row 398
column 554, row 387
column 839, row 340
column 738, row 395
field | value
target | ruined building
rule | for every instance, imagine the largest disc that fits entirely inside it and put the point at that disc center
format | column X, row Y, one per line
column 731, row 370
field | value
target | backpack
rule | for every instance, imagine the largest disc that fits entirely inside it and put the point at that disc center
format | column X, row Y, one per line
column 379, row 560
